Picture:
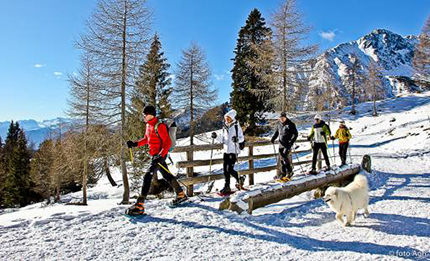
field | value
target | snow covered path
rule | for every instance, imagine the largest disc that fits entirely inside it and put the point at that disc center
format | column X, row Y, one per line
column 295, row 229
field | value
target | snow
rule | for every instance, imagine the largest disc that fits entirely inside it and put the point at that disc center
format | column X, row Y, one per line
column 299, row 228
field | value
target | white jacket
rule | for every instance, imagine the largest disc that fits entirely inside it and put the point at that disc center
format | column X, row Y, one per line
column 229, row 131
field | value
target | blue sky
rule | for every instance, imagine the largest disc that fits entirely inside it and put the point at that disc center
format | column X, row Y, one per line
column 37, row 42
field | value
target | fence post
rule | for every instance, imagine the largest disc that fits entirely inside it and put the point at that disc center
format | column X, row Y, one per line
column 251, row 164
column 190, row 173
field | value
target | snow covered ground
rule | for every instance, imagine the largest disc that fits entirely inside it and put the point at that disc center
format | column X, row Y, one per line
column 295, row 229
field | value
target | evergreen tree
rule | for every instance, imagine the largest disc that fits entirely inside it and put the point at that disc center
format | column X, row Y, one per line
column 2, row 169
column 17, row 183
column 41, row 166
column 153, row 83
column 421, row 59
column 193, row 85
column 354, row 80
column 246, row 81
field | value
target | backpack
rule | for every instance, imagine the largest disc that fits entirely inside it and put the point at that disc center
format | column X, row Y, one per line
column 171, row 129
column 241, row 144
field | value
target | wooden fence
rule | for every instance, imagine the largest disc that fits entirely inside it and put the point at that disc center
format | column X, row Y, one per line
column 195, row 178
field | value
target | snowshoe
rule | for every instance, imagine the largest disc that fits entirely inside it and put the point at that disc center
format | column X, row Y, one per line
column 137, row 209
column 283, row 179
column 226, row 191
column 312, row 172
column 180, row 197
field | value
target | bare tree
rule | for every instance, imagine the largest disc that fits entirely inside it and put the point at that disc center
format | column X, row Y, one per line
column 117, row 38
column 193, row 85
column 291, row 54
column 374, row 85
column 421, row 59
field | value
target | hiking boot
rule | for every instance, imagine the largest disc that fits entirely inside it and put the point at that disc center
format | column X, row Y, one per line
column 137, row 209
column 225, row 190
column 239, row 184
column 180, row 197
column 290, row 175
column 326, row 168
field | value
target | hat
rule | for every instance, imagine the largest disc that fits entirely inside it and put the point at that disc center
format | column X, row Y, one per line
column 318, row 117
column 232, row 114
column 342, row 121
column 283, row 114
column 149, row 110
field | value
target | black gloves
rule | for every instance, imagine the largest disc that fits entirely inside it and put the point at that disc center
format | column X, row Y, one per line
column 213, row 136
column 234, row 139
column 332, row 137
column 322, row 133
column 131, row 144
column 272, row 140
column 308, row 138
column 157, row 158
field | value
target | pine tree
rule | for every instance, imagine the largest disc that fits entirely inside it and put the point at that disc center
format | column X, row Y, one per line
column 117, row 38
column 153, row 83
column 421, row 59
column 41, row 169
column 17, row 182
column 354, row 79
column 291, row 54
column 246, row 82
column 193, row 85
column 2, row 169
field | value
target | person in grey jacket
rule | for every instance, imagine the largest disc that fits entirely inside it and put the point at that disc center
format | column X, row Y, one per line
column 287, row 132
column 231, row 137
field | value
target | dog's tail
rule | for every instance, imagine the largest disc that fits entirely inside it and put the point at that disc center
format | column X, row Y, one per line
column 361, row 180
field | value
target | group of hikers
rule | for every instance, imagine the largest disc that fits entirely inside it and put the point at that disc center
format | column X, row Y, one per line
column 159, row 142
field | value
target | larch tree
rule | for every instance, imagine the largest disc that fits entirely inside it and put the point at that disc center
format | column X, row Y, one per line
column 193, row 85
column 421, row 61
column 374, row 85
column 117, row 38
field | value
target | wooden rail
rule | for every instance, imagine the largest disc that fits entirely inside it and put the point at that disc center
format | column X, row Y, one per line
column 190, row 163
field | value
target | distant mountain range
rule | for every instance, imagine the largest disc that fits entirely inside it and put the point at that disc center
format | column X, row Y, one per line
column 35, row 131
column 392, row 52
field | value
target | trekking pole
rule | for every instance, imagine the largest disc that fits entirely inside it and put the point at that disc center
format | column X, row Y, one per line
column 297, row 157
column 349, row 151
column 276, row 154
column 159, row 164
column 334, row 154
column 210, row 165
column 131, row 155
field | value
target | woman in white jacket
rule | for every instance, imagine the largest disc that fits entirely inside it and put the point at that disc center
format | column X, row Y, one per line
column 232, row 136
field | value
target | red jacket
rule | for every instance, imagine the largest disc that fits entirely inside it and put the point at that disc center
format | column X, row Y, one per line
column 157, row 145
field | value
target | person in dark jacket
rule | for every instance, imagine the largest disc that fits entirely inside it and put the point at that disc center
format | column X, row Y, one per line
column 320, row 134
column 287, row 132
column 159, row 145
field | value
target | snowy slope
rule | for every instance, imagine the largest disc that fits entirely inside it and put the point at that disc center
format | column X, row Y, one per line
column 296, row 229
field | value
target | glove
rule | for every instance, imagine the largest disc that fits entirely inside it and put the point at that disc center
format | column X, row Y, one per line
column 332, row 137
column 213, row 135
column 131, row 144
column 308, row 138
column 272, row 140
column 322, row 132
column 234, row 139
column 157, row 158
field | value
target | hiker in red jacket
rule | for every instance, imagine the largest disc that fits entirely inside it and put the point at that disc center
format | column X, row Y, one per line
column 159, row 145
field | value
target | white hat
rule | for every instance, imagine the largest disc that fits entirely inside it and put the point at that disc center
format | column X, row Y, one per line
column 318, row 116
column 232, row 114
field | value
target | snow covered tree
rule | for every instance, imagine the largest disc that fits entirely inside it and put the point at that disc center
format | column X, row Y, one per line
column 374, row 85
column 247, row 83
column 16, row 188
column 117, row 37
column 291, row 54
column 421, row 59
column 193, row 90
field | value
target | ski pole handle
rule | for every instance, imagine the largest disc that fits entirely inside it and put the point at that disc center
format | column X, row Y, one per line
column 131, row 154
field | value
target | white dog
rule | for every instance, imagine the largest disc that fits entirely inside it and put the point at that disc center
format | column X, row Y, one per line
column 348, row 200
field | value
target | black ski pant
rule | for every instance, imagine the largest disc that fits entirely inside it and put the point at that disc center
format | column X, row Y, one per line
column 153, row 168
column 229, row 161
column 343, row 148
column 323, row 148
column 286, row 168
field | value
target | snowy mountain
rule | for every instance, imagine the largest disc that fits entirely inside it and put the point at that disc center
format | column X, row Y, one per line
column 299, row 228
column 392, row 52
column 35, row 131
